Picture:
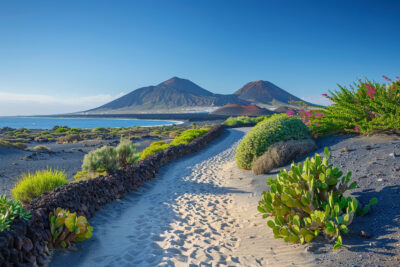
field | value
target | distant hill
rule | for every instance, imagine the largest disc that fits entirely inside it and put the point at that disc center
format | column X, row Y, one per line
column 178, row 95
column 241, row 110
column 174, row 95
column 264, row 92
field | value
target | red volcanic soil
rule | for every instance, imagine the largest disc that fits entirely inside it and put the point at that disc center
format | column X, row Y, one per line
column 241, row 110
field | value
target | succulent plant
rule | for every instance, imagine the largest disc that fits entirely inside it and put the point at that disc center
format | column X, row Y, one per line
column 67, row 227
column 9, row 211
column 308, row 200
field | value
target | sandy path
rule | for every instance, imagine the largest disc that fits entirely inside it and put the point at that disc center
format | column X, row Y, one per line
column 200, row 210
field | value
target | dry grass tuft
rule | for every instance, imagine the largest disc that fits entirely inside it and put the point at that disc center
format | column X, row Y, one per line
column 281, row 153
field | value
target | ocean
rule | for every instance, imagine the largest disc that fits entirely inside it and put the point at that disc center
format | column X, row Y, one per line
column 50, row 122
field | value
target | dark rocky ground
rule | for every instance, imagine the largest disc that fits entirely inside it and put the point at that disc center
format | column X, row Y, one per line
column 66, row 157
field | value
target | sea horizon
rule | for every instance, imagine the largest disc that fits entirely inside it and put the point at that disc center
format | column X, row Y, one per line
column 47, row 122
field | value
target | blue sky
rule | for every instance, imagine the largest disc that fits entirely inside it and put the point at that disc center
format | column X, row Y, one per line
column 61, row 55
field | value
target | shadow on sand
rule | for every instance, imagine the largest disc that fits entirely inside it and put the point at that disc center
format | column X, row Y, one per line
column 131, row 228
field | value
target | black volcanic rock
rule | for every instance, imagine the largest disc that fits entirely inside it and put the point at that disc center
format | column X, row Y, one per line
column 171, row 94
column 264, row 92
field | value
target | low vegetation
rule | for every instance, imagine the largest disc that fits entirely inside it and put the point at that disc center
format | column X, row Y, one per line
column 282, row 153
column 42, row 148
column 67, row 227
column 109, row 159
column 9, row 211
column 102, row 159
column 153, row 148
column 277, row 128
column 184, row 138
column 18, row 138
column 13, row 145
column 187, row 136
column 244, row 120
column 32, row 185
column 70, row 138
column 308, row 200
column 127, row 153
column 368, row 107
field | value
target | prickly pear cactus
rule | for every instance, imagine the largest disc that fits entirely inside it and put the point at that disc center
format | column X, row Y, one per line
column 308, row 200
column 66, row 227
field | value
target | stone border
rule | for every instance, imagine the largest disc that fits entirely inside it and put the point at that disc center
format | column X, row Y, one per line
column 26, row 242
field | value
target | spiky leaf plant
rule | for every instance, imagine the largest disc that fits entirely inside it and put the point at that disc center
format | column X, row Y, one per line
column 308, row 200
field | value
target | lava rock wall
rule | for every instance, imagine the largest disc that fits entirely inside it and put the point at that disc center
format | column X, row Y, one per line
column 26, row 242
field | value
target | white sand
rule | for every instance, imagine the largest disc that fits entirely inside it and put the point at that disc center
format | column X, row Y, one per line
column 200, row 211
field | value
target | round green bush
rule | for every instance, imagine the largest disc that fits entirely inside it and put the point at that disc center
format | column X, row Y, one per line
column 102, row 159
column 32, row 185
column 256, row 142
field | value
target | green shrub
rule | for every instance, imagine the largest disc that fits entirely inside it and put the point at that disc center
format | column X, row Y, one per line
column 243, row 120
column 260, row 137
column 18, row 140
column 127, row 153
column 102, row 159
column 61, row 130
column 21, row 136
column 67, row 227
column 187, row 136
column 100, row 130
column 70, row 138
column 9, row 211
column 153, row 148
column 8, row 144
column 32, row 185
column 110, row 159
column 370, row 107
column 240, row 120
column 184, row 138
column 75, row 130
column 41, row 148
column 309, row 200
column 174, row 134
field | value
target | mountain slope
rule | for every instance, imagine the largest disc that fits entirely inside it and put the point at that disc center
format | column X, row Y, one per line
column 265, row 92
column 178, row 95
column 175, row 93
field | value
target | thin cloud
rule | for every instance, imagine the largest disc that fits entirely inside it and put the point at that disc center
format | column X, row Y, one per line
column 36, row 104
